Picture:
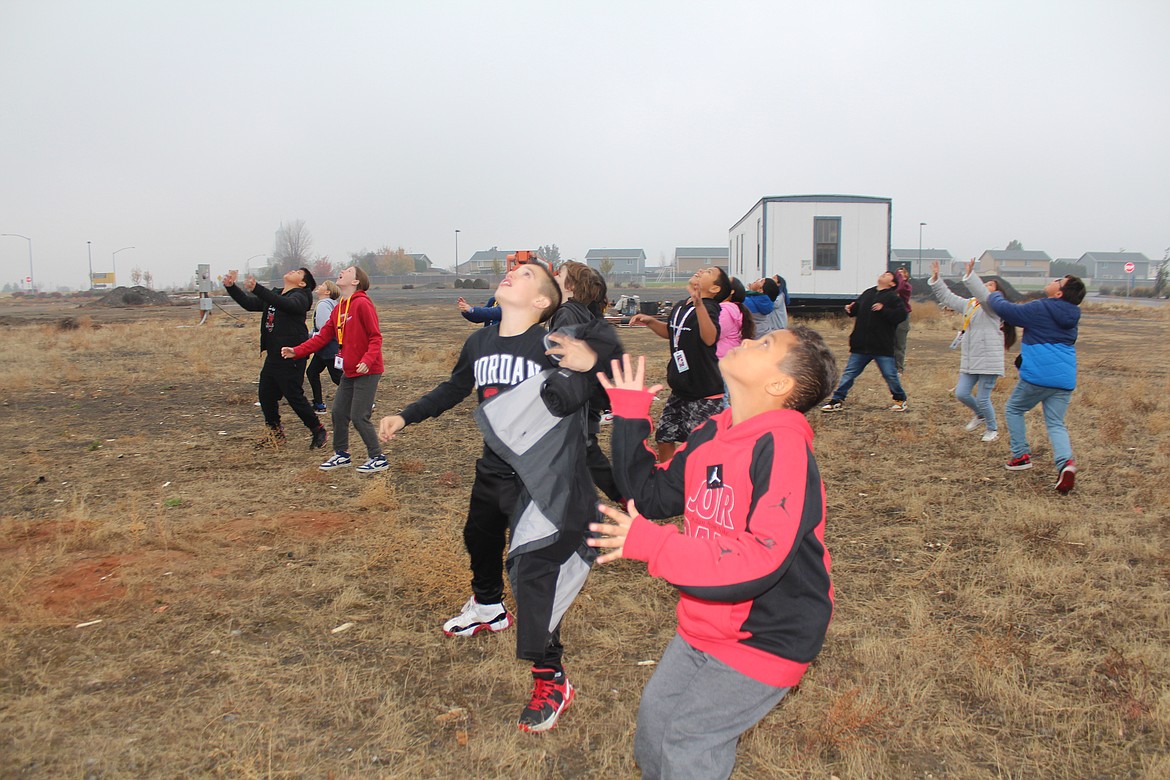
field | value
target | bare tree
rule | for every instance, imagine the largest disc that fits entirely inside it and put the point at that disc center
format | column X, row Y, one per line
column 550, row 252
column 148, row 280
column 136, row 276
column 606, row 267
column 293, row 243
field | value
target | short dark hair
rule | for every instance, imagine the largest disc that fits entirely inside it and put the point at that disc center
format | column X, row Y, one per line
column 310, row 282
column 1073, row 290
column 770, row 288
column 812, row 366
column 363, row 278
column 550, row 289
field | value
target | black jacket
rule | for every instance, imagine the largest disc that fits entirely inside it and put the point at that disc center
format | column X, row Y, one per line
column 283, row 324
column 577, row 321
column 873, row 331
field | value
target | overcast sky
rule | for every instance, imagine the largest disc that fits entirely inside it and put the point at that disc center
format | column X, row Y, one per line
column 191, row 130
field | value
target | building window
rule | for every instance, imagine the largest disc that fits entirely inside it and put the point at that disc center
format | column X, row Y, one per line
column 827, row 243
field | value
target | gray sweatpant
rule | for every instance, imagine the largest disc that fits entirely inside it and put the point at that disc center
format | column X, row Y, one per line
column 693, row 711
column 354, row 401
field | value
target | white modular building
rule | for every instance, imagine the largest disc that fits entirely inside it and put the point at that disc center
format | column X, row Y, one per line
column 827, row 247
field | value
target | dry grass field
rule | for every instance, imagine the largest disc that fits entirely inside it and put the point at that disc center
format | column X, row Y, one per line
column 173, row 601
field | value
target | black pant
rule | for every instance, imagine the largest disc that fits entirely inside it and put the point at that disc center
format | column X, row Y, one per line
column 317, row 364
column 281, row 378
column 493, row 497
column 600, row 469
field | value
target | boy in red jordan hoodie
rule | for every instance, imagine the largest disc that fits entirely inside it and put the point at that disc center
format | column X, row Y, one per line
column 751, row 566
column 354, row 323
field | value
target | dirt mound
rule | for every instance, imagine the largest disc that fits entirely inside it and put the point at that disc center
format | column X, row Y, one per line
column 132, row 296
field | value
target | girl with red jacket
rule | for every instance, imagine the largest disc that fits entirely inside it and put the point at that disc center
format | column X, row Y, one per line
column 354, row 324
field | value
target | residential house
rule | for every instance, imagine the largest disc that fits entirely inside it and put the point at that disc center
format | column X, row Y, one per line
column 1014, row 264
column 688, row 259
column 917, row 262
column 422, row 263
column 625, row 261
column 486, row 261
column 1110, row 266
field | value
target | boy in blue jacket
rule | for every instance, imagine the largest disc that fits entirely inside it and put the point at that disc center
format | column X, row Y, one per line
column 1048, row 371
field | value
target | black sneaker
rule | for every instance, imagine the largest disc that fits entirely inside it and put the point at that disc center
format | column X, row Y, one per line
column 551, row 694
column 320, row 436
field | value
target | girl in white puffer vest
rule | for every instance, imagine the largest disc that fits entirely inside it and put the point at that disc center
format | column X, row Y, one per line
column 982, row 340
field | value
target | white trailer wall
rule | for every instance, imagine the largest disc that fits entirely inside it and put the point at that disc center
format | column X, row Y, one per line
column 777, row 237
column 746, row 246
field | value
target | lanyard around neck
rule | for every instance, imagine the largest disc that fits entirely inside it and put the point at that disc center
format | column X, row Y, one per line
column 341, row 319
column 972, row 307
column 677, row 320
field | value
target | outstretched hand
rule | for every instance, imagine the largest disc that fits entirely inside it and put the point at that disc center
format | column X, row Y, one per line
column 390, row 426
column 573, row 354
column 971, row 266
column 625, row 376
column 288, row 352
column 614, row 530
column 934, row 270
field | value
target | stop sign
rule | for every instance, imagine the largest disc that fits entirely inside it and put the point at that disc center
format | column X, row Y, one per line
column 1129, row 268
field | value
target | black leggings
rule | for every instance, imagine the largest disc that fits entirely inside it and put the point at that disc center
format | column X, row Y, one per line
column 316, row 366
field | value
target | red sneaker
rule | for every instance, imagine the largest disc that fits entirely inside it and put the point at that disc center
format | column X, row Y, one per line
column 1019, row 464
column 551, row 694
column 1068, row 477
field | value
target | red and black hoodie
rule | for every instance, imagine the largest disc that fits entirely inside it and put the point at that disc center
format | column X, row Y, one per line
column 751, row 565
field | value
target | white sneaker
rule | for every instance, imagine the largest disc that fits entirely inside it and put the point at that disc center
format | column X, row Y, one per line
column 900, row 406
column 336, row 460
column 476, row 617
column 374, row 465
column 990, row 435
column 976, row 423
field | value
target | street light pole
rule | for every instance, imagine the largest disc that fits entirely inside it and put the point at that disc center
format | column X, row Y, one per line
column 114, row 258
column 248, row 263
column 31, row 285
column 456, row 252
column 89, row 251
column 920, row 226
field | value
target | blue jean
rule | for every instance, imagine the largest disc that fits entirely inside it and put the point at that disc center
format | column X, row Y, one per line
column 979, row 404
column 857, row 364
column 1024, row 396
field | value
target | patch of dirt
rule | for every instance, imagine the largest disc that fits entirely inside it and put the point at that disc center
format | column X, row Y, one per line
column 80, row 586
column 304, row 525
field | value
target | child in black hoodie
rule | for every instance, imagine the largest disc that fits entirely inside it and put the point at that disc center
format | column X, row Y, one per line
column 283, row 325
